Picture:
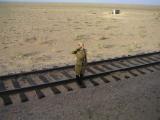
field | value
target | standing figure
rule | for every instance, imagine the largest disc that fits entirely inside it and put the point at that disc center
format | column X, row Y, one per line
column 81, row 62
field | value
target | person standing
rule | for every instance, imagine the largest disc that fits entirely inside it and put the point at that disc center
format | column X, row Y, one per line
column 81, row 62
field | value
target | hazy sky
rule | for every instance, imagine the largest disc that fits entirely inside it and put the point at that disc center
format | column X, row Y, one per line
column 152, row 2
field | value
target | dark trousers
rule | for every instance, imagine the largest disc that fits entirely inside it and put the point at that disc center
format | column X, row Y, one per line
column 79, row 78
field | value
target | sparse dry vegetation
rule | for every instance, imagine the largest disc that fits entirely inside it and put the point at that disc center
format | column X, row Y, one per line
column 32, row 39
column 104, row 38
column 33, row 35
column 133, row 47
column 82, row 37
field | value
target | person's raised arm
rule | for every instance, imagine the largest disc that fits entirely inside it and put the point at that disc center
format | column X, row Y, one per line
column 75, row 51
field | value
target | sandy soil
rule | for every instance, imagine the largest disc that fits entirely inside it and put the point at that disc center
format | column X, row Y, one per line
column 37, row 35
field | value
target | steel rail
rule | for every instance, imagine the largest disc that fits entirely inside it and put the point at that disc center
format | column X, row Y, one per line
column 71, row 66
column 66, row 81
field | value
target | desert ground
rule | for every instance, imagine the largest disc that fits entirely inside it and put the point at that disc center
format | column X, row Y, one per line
column 36, row 36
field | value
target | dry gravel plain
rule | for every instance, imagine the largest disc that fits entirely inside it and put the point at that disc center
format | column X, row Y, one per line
column 34, row 36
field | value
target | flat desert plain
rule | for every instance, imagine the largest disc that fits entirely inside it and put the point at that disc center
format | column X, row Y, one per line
column 36, row 36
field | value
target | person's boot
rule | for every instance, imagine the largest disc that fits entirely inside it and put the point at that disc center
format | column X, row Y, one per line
column 79, row 81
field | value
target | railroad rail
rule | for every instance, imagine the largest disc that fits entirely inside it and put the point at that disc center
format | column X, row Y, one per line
column 38, row 84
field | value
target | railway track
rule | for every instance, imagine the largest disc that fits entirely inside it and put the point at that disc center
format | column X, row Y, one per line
column 22, row 87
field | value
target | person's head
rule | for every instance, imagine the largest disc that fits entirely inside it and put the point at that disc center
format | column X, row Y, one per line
column 81, row 45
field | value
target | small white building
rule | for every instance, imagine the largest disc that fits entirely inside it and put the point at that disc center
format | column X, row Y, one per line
column 115, row 11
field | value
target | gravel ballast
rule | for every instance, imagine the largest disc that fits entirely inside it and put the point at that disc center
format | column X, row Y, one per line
column 129, row 99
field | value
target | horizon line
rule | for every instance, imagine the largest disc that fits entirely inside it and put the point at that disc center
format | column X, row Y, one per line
column 82, row 3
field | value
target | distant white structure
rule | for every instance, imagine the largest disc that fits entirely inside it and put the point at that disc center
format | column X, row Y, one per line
column 115, row 11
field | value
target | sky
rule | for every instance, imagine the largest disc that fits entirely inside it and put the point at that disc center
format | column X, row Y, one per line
column 147, row 2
